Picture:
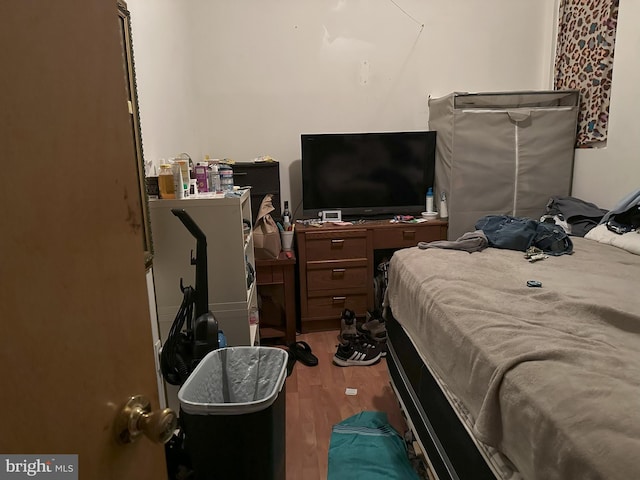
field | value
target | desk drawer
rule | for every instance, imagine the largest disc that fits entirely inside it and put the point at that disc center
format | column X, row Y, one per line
column 333, row 305
column 336, row 278
column 406, row 236
column 336, row 245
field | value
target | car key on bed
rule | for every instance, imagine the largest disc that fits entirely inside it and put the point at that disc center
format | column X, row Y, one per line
column 534, row 283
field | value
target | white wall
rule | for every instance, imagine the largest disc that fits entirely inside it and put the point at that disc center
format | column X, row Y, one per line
column 242, row 79
column 269, row 71
column 606, row 175
column 163, row 62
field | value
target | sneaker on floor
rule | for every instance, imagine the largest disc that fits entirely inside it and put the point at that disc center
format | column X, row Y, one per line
column 348, row 330
column 374, row 327
column 356, row 354
column 367, row 342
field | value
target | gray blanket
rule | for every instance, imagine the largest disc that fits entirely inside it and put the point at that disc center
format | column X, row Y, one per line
column 551, row 375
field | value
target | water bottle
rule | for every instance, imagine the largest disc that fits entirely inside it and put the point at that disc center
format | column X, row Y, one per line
column 430, row 200
column 214, row 178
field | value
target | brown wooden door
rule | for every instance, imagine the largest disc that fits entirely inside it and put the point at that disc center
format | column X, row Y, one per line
column 75, row 334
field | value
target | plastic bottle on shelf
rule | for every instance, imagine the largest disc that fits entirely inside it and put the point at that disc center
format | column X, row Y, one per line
column 226, row 177
column 444, row 213
column 430, row 200
column 165, row 182
column 286, row 216
column 184, row 169
column 218, row 180
column 214, row 177
column 178, row 184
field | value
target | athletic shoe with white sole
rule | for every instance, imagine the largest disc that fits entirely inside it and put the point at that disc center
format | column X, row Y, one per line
column 374, row 331
column 348, row 323
column 374, row 326
column 352, row 354
column 368, row 342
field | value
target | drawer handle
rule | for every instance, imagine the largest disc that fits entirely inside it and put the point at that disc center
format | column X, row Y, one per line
column 408, row 234
column 339, row 299
column 338, row 272
column 337, row 243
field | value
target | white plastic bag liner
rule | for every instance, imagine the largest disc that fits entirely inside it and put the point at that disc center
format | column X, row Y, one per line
column 234, row 381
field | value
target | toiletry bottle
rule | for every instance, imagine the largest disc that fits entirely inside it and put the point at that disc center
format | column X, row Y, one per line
column 165, row 182
column 184, row 168
column 444, row 212
column 214, row 177
column 286, row 216
column 217, row 180
column 226, row 177
column 430, row 200
column 178, row 184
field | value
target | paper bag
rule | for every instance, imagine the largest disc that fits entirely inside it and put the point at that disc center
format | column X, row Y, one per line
column 266, row 235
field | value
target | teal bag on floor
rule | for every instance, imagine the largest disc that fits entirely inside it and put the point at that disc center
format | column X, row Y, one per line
column 366, row 446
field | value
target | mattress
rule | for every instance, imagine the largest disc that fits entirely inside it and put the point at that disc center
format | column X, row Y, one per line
column 550, row 376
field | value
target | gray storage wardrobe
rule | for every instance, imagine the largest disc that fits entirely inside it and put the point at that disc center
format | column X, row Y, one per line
column 502, row 153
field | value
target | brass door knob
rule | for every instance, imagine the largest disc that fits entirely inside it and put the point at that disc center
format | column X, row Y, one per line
column 136, row 418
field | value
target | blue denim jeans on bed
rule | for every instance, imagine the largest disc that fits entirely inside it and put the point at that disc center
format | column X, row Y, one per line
column 503, row 231
column 514, row 233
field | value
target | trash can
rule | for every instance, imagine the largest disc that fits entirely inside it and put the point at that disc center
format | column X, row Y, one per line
column 233, row 415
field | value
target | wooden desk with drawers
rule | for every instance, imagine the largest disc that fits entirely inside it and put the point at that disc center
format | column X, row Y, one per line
column 336, row 265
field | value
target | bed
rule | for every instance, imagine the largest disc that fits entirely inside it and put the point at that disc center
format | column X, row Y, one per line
column 504, row 381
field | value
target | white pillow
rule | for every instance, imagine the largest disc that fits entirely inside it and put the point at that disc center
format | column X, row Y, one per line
column 629, row 241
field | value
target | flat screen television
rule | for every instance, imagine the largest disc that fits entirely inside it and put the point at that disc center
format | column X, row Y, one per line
column 367, row 174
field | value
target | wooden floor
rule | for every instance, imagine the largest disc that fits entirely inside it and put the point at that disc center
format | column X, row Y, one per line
column 316, row 401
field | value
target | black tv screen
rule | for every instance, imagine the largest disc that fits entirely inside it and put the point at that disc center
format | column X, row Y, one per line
column 367, row 174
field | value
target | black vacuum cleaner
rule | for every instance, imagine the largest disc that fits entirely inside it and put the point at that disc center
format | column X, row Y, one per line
column 183, row 351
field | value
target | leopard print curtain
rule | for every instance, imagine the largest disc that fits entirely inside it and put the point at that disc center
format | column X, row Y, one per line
column 584, row 61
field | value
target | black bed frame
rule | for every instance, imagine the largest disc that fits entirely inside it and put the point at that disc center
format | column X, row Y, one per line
column 451, row 451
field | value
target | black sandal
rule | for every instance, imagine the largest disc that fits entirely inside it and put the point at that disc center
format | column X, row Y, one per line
column 291, row 360
column 302, row 351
